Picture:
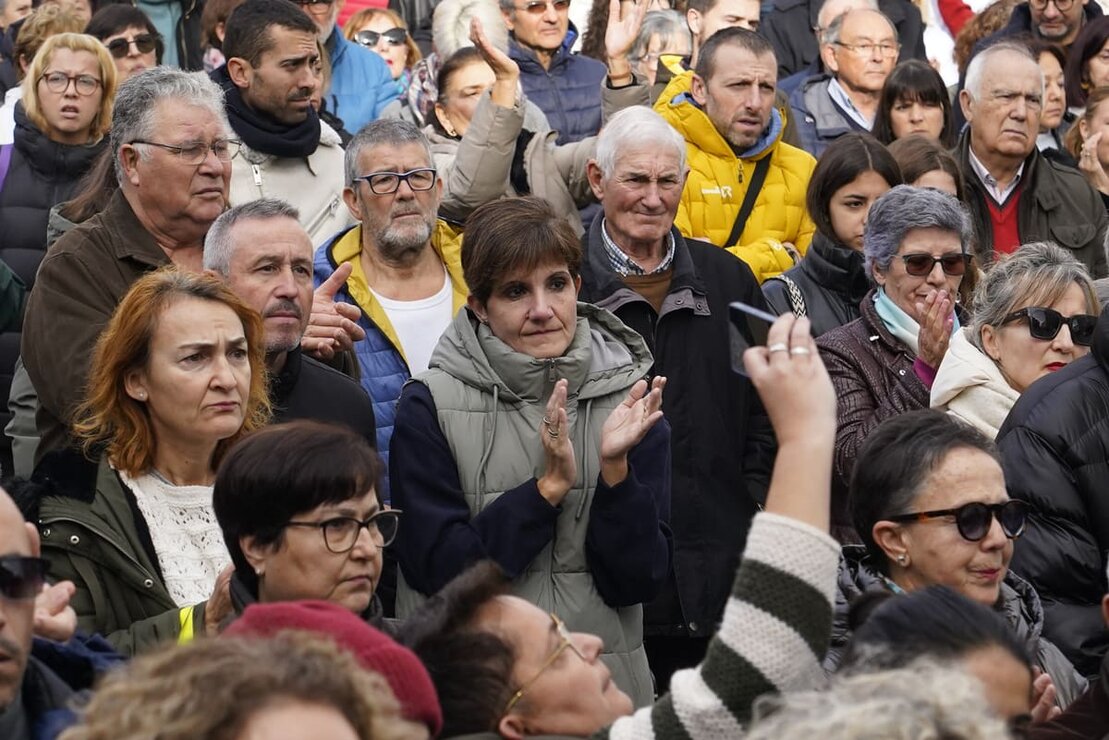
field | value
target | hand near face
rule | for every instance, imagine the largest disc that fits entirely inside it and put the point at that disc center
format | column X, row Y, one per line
column 218, row 606
column 620, row 34
column 627, row 425
column 936, row 321
column 1043, row 698
column 54, row 617
column 503, row 67
column 1090, row 165
column 554, row 433
column 333, row 324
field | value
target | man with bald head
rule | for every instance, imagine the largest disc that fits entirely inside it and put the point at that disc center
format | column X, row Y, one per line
column 1015, row 195
column 859, row 50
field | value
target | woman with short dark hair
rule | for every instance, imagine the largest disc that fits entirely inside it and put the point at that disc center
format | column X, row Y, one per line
column 534, row 440
column 130, row 36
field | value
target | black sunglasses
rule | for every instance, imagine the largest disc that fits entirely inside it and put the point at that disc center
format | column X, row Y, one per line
column 974, row 519
column 144, row 42
column 394, row 36
column 919, row 265
column 21, row 577
column 1045, row 323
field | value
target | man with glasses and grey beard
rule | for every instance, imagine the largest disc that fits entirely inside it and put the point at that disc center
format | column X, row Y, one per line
column 405, row 265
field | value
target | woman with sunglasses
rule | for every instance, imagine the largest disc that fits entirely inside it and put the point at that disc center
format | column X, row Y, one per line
column 299, row 509
column 134, row 43
column 928, row 501
column 384, row 32
column 1035, row 313
column 916, row 250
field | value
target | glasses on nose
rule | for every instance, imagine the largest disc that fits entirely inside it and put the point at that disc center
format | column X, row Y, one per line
column 393, row 37
column 1062, row 5
column 144, row 43
column 316, row 7
column 58, row 82
column 565, row 642
column 21, row 577
column 919, row 265
column 974, row 520
column 886, row 51
column 386, row 183
column 1045, row 323
column 539, row 7
column 340, row 534
column 194, row 154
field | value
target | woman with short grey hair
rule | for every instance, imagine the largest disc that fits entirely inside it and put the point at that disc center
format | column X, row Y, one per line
column 1035, row 313
column 916, row 250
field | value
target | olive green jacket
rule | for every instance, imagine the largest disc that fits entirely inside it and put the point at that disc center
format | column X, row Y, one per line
column 87, row 522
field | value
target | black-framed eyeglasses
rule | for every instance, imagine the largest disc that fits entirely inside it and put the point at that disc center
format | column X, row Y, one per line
column 340, row 534
column 386, row 183
column 144, row 43
column 539, row 7
column 58, row 82
column 919, row 265
column 1062, row 5
column 393, row 37
column 565, row 642
column 196, row 152
column 22, row 577
column 974, row 519
column 315, row 7
column 1045, row 323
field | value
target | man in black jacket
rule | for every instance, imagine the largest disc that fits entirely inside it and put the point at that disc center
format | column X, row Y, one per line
column 266, row 257
column 675, row 292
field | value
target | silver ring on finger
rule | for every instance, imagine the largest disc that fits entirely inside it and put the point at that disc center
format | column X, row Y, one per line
column 800, row 351
column 554, row 433
column 547, row 422
column 780, row 347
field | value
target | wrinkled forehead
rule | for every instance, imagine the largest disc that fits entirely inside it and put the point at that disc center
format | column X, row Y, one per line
column 387, row 157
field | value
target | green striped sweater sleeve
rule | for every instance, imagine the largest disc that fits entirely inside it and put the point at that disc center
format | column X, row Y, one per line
column 772, row 638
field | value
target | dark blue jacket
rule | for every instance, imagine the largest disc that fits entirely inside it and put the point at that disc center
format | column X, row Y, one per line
column 568, row 92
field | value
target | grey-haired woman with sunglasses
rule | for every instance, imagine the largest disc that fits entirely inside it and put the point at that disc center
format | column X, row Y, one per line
column 1035, row 313
column 916, row 247
column 928, row 501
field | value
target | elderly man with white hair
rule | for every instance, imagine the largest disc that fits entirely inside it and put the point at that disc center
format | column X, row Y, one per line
column 1015, row 195
column 675, row 292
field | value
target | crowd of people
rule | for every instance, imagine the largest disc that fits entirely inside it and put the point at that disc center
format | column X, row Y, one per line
column 728, row 369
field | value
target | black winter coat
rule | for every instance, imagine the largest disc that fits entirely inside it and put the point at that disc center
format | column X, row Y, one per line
column 1055, row 452
column 832, row 281
column 307, row 389
column 721, row 441
column 41, row 174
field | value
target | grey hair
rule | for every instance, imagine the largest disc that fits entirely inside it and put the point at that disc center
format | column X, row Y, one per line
column 138, row 98
column 973, row 82
column 831, row 34
column 450, row 25
column 667, row 24
column 1037, row 274
column 218, row 244
column 926, row 699
column 391, row 131
column 841, row 7
column 904, row 208
column 635, row 125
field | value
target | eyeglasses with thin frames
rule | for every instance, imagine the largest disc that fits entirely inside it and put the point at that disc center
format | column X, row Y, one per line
column 340, row 534
column 58, row 82
column 387, row 183
column 1040, row 5
column 194, row 154
column 539, row 7
column 886, row 51
column 565, row 642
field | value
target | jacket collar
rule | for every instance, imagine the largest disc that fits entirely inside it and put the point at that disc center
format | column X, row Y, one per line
column 836, row 268
column 130, row 240
column 283, row 383
column 1047, row 198
column 683, row 113
column 521, row 53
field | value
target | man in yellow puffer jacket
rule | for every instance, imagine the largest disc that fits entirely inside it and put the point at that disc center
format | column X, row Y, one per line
column 725, row 110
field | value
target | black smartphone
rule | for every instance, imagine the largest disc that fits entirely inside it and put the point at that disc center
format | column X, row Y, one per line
column 749, row 327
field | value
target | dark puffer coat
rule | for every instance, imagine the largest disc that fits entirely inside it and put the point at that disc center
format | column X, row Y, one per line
column 832, row 282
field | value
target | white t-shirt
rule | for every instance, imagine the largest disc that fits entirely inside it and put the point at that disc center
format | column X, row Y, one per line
column 419, row 324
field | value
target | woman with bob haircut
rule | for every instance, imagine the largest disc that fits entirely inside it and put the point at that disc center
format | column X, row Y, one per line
column 300, row 513
column 535, row 440
column 1035, row 313
column 915, row 101
column 130, row 36
column 61, row 125
column 829, row 284
column 1087, row 66
column 928, row 501
column 177, row 376
column 293, row 685
column 385, row 33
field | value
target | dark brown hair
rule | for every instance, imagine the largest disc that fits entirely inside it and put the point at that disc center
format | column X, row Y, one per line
column 1086, row 45
column 845, row 159
column 913, row 81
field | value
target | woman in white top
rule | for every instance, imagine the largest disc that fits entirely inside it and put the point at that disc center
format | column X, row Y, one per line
column 1034, row 313
column 176, row 378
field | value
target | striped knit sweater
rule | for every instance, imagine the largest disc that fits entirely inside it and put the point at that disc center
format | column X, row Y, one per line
column 775, row 630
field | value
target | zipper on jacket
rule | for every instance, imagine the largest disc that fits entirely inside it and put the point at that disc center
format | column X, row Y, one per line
column 254, row 170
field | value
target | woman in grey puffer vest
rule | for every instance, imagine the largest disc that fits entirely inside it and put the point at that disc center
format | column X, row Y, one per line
column 533, row 440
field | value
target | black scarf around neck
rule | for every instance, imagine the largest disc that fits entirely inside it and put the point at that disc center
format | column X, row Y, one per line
column 262, row 132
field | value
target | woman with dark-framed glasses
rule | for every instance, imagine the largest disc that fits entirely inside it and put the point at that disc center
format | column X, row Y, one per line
column 300, row 512
column 928, row 500
column 916, row 249
column 1035, row 313
column 130, row 37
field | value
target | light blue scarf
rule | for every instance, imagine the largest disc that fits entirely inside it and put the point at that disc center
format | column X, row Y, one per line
column 899, row 323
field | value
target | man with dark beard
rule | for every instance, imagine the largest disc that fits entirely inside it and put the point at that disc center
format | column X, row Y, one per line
column 266, row 258
column 406, row 271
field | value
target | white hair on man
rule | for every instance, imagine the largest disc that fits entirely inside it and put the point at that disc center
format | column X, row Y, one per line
column 637, row 126
column 975, row 70
column 832, row 9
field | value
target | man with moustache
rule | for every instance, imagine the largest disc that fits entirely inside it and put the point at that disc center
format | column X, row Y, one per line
column 406, row 270
column 265, row 256
column 272, row 71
